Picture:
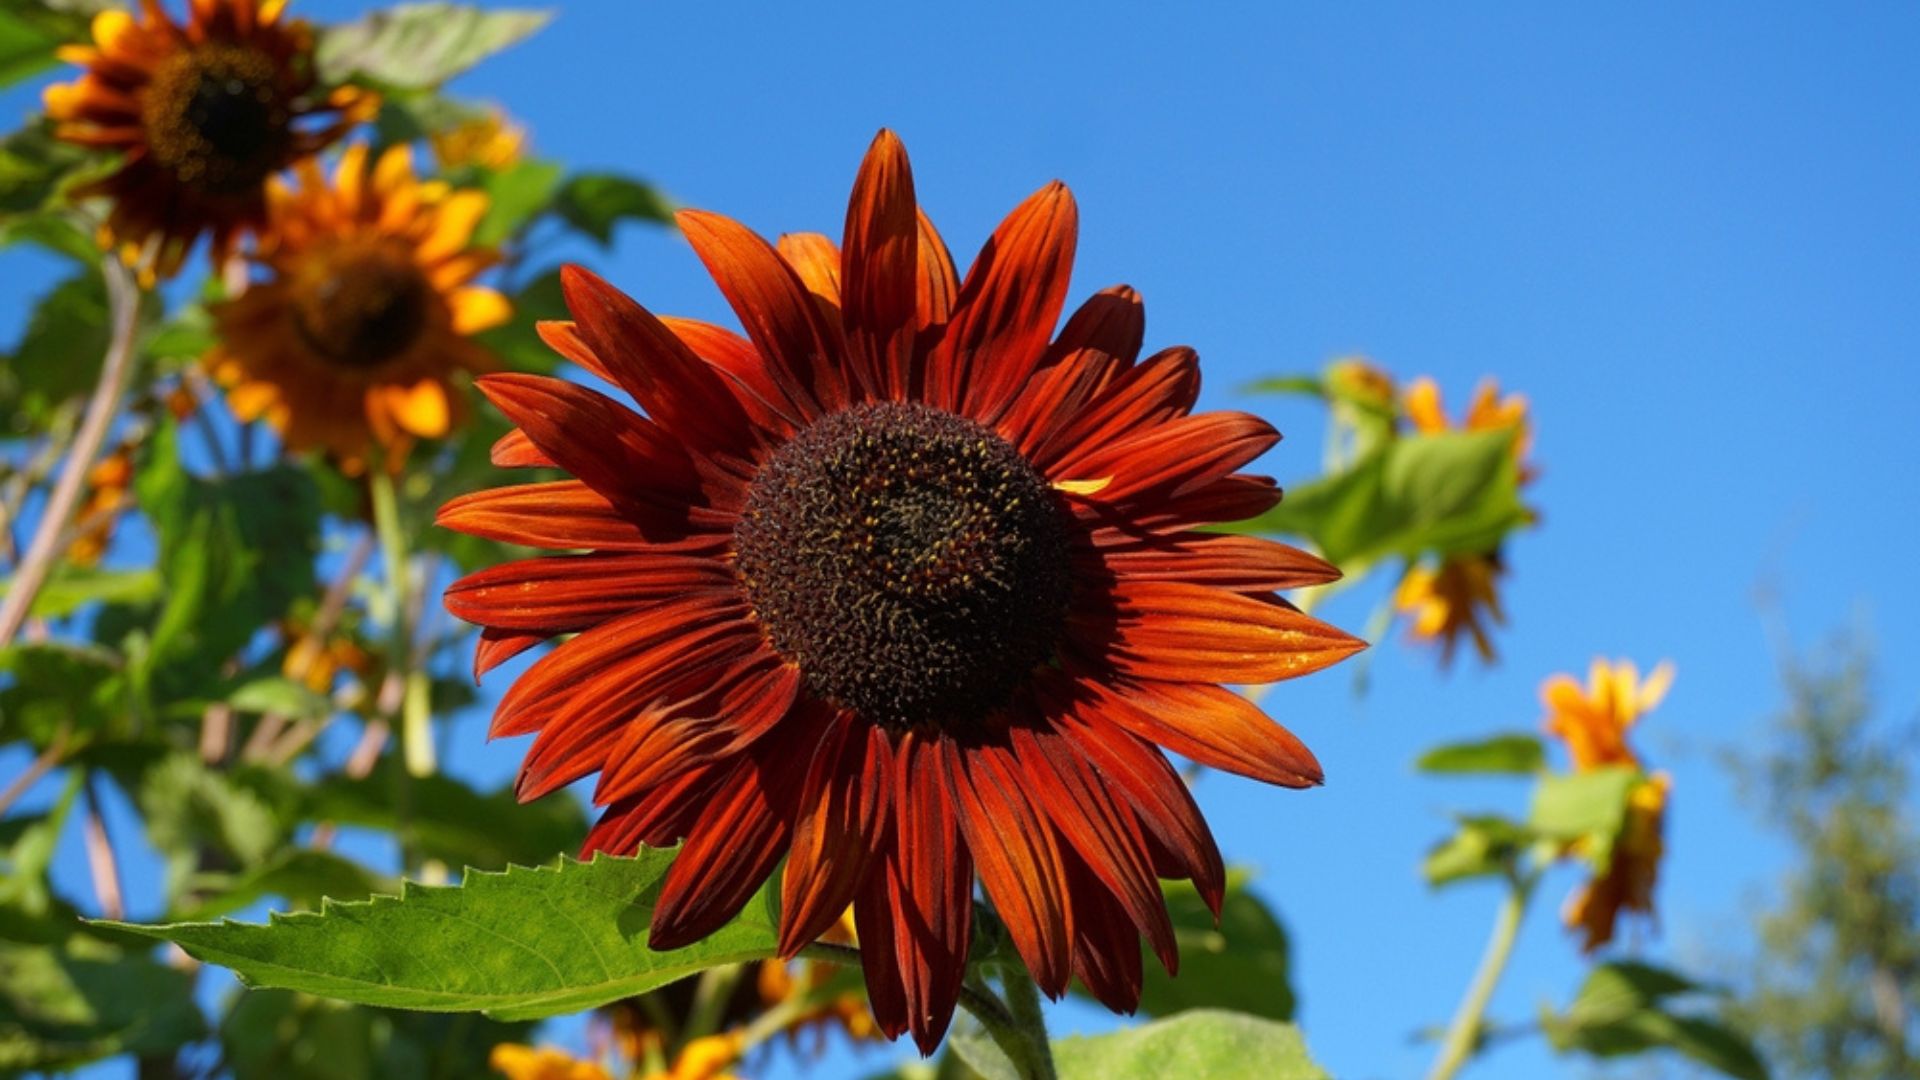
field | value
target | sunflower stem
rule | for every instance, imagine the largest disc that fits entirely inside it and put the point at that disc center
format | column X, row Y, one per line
column 1464, row 1035
column 123, row 302
column 1035, row 1058
column 416, row 729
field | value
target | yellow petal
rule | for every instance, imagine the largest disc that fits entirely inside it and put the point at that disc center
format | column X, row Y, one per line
column 1082, row 487
column 1654, row 690
column 476, row 308
column 422, row 409
column 453, row 226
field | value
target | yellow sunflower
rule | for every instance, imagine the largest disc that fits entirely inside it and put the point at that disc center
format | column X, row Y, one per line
column 1593, row 722
column 203, row 112
column 362, row 334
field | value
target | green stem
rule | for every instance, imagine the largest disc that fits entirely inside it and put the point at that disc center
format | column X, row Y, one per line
column 710, row 996
column 1469, row 1020
column 1034, row 1054
column 416, row 728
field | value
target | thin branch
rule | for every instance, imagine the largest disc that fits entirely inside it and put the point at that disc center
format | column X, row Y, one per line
column 123, row 303
column 261, row 745
column 39, row 767
column 100, row 860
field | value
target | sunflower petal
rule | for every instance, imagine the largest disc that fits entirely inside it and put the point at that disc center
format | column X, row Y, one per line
column 845, row 804
column 878, row 265
column 1175, row 632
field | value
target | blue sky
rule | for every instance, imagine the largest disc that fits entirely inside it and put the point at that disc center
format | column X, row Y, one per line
column 1690, row 238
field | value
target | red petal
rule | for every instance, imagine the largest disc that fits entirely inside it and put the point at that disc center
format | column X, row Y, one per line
column 1112, row 321
column 548, row 685
column 661, row 743
column 735, row 843
column 657, row 818
column 1175, row 632
column 879, row 264
column 1106, row 948
column 515, row 451
column 1143, row 397
column 614, row 450
column 736, row 359
column 563, row 337
column 1245, row 564
column 925, row 910
column 498, row 646
column 936, row 285
column 1075, row 799
column 1164, row 807
column 562, row 594
column 774, row 307
column 1230, row 498
column 1007, row 308
column 673, row 385
column 561, row 515
column 1213, row 726
column 1056, row 396
column 844, row 808
column 1173, row 458
column 1017, row 857
column 817, row 262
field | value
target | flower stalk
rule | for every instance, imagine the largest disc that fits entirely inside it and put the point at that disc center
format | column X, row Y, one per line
column 1463, row 1037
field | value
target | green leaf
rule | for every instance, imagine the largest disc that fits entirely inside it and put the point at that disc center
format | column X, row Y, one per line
column 1446, row 493
column 516, row 195
column 193, row 811
column 57, row 689
column 58, row 231
column 1590, row 806
column 36, row 168
column 302, row 877
column 61, row 1008
column 70, row 588
column 1483, row 846
column 1623, row 1009
column 1242, row 966
column 518, row 945
column 595, row 202
column 517, row 343
column 450, row 822
column 234, row 553
column 408, row 116
column 420, row 46
column 1206, row 1042
column 1517, row 752
column 59, row 353
column 1305, row 385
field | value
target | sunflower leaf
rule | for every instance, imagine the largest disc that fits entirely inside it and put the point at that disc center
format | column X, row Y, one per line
column 1517, row 752
column 595, row 202
column 517, row 945
column 63, row 1007
column 1625, row 1008
column 420, row 46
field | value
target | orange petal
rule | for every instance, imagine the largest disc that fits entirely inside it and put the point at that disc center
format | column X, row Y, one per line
column 879, row 266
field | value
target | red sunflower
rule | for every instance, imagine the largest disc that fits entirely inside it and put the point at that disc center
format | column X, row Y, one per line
column 901, row 587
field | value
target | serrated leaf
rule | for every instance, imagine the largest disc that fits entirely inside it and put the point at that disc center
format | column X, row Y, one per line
column 519, row 945
column 596, row 202
column 420, row 46
column 1441, row 494
column 1517, row 753
column 1206, row 1042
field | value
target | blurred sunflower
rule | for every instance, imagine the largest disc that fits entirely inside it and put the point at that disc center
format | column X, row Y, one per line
column 1459, row 596
column 900, row 587
column 109, row 491
column 516, row 1061
column 488, row 140
column 203, row 114
column 1593, row 723
column 363, row 331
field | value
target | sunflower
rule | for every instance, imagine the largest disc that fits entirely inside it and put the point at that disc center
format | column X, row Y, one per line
column 900, row 587
column 1459, row 596
column 203, row 113
column 1593, row 722
column 517, row 1061
column 361, row 332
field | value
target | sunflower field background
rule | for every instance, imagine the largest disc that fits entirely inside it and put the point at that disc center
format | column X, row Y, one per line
column 1590, row 335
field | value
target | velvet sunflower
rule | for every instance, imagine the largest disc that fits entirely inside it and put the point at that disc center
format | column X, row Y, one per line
column 203, row 113
column 362, row 333
column 900, row 587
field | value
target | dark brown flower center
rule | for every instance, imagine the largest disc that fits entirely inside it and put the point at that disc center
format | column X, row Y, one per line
column 361, row 308
column 217, row 118
column 910, row 562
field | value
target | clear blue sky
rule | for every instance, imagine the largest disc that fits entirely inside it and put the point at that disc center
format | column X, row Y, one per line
column 1692, row 239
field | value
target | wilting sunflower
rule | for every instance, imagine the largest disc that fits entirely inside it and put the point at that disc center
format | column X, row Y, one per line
column 900, row 587
column 362, row 334
column 203, row 112
column 1593, row 723
column 1459, row 596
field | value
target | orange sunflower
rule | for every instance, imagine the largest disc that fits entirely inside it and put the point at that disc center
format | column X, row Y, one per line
column 204, row 113
column 901, row 587
column 1593, row 723
column 363, row 332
